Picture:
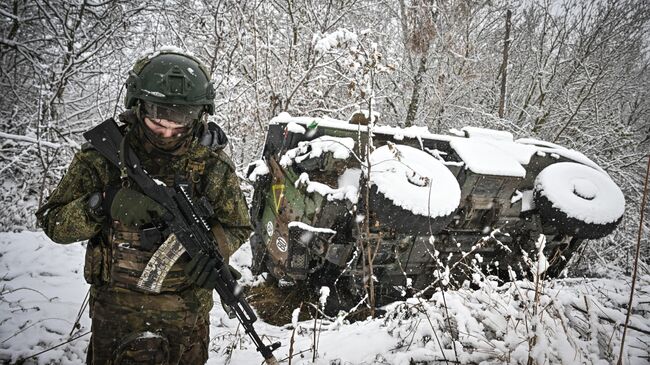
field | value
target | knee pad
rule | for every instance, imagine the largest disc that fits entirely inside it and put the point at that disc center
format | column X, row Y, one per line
column 142, row 348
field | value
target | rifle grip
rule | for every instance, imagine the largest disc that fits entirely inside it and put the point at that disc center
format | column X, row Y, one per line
column 149, row 237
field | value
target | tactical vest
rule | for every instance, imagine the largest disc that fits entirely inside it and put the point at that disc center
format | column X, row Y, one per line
column 118, row 257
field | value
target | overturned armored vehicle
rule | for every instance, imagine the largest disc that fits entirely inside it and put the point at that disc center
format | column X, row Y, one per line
column 424, row 208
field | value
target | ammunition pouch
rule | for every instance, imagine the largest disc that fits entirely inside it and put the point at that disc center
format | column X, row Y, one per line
column 95, row 263
column 142, row 348
column 131, row 251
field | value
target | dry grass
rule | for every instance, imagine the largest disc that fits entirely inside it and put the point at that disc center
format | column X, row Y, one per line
column 275, row 305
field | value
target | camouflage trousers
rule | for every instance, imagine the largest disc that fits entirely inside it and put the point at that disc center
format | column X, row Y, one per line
column 135, row 328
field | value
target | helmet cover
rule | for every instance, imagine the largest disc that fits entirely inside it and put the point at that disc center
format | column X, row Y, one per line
column 170, row 77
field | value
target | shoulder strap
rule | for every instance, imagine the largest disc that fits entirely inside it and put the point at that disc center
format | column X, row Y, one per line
column 106, row 138
column 222, row 240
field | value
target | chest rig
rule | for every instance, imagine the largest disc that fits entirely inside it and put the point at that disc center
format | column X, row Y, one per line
column 131, row 248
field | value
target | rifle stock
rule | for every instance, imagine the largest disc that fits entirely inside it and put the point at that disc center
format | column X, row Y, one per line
column 185, row 227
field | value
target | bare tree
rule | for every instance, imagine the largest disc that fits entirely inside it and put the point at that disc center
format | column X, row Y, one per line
column 577, row 73
column 52, row 64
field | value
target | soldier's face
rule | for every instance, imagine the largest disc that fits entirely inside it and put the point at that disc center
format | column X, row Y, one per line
column 165, row 128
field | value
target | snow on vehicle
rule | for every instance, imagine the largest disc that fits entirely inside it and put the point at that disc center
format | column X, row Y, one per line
column 436, row 203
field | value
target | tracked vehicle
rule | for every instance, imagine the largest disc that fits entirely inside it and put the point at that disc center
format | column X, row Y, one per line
column 432, row 208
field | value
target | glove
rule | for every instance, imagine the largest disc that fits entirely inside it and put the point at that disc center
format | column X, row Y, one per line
column 202, row 271
column 133, row 208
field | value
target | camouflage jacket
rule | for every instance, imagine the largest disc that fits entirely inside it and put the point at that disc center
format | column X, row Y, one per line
column 65, row 217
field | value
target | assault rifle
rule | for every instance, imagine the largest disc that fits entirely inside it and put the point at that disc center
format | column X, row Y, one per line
column 184, row 225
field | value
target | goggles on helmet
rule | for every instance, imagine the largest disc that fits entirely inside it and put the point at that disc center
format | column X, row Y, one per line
column 181, row 114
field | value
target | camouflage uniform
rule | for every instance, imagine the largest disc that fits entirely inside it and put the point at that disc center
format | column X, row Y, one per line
column 128, row 325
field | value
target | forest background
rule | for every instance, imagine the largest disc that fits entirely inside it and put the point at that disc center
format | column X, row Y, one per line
column 571, row 72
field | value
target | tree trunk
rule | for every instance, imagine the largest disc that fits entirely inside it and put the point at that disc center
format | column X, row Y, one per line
column 504, row 65
column 415, row 96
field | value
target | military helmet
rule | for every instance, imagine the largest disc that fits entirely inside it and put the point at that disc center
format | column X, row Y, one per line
column 169, row 77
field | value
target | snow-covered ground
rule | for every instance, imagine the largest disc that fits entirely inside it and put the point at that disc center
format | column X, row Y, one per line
column 571, row 321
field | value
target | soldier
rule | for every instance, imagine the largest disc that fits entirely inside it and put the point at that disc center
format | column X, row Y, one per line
column 168, row 94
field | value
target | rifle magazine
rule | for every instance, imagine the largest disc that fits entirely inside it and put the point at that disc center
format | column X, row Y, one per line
column 161, row 262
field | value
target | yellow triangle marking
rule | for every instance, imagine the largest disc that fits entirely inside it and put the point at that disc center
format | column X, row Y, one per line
column 278, row 194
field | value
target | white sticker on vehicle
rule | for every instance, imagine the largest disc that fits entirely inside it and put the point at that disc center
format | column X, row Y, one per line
column 282, row 244
column 269, row 228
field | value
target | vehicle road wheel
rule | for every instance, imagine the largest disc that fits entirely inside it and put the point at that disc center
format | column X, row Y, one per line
column 578, row 200
column 411, row 191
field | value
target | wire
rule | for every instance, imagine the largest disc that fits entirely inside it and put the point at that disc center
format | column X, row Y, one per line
column 53, row 347
column 84, row 304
